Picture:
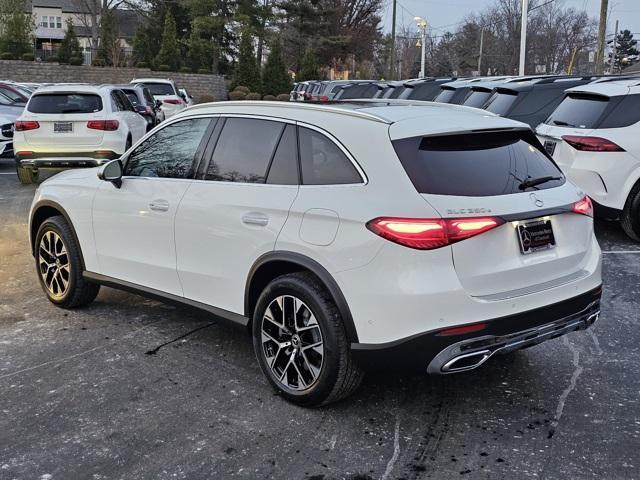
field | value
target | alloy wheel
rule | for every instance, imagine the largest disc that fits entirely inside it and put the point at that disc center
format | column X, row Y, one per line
column 53, row 264
column 292, row 342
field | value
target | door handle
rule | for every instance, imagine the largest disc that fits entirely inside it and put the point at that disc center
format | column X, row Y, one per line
column 255, row 218
column 159, row 205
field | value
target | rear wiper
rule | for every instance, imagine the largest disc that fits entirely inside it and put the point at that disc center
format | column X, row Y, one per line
column 563, row 124
column 533, row 182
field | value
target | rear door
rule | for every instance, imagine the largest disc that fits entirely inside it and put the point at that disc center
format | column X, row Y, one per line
column 63, row 118
column 481, row 175
column 235, row 210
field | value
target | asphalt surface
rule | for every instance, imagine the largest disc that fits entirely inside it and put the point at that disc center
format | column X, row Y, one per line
column 130, row 388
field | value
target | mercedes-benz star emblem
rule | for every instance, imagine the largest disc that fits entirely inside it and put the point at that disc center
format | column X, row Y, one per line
column 526, row 239
column 536, row 200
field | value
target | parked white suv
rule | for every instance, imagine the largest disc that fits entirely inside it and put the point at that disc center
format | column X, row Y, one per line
column 73, row 125
column 165, row 91
column 594, row 136
column 6, row 137
column 423, row 234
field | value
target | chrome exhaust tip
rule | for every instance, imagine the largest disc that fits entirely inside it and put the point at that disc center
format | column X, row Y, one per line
column 468, row 361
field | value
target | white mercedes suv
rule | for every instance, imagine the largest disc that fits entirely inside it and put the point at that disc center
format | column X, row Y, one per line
column 341, row 236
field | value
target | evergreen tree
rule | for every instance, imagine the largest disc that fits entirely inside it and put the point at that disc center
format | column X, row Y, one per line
column 200, row 53
column 626, row 51
column 309, row 67
column 143, row 47
column 109, row 51
column 169, row 54
column 15, row 28
column 247, row 73
column 275, row 78
column 70, row 46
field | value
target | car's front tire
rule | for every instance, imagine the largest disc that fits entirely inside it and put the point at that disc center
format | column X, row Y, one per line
column 300, row 342
column 26, row 175
column 630, row 219
column 59, row 265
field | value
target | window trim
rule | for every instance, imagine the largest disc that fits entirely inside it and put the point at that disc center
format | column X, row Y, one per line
column 199, row 151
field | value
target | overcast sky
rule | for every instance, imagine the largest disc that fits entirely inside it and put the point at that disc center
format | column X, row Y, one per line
column 442, row 13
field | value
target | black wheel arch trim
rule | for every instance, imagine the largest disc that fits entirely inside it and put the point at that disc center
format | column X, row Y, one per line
column 319, row 271
column 33, row 232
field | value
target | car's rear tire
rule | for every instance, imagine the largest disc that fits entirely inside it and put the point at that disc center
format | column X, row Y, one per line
column 26, row 175
column 59, row 265
column 305, row 357
column 630, row 218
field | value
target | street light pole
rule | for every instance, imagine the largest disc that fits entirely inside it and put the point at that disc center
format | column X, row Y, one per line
column 523, row 36
column 422, row 25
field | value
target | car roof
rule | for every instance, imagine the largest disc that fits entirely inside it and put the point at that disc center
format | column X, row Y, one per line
column 400, row 114
column 152, row 80
column 72, row 87
column 610, row 87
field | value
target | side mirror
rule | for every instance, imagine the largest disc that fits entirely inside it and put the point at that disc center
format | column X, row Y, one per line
column 112, row 172
column 158, row 104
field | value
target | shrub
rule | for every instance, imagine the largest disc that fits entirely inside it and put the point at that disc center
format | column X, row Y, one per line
column 98, row 62
column 51, row 59
column 242, row 89
column 254, row 96
column 271, row 98
column 75, row 61
column 204, row 70
column 206, row 99
column 237, row 95
column 28, row 57
column 185, row 69
column 142, row 65
column 7, row 56
column 164, row 68
column 283, row 97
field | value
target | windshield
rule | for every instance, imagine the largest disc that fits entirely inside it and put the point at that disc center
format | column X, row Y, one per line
column 160, row 88
column 501, row 102
column 65, row 103
column 477, row 98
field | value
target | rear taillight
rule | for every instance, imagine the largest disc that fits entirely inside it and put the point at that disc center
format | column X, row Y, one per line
column 592, row 144
column 583, row 207
column 476, row 327
column 427, row 234
column 106, row 125
column 172, row 101
column 23, row 125
column 323, row 98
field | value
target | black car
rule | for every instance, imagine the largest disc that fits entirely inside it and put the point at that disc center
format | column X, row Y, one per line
column 144, row 103
column 531, row 100
column 358, row 89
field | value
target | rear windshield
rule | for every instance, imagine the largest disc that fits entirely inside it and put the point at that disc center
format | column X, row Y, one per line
column 579, row 111
column 476, row 164
column 160, row 88
column 500, row 102
column 132, row 96
column 445, row 95
column 65, row 103
column 396, row 91
column 477, row 98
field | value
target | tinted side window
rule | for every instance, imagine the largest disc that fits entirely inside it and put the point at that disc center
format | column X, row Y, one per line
column 170, row 152
column 284, row 166
column 323, row 163
column 476, row 164
column 244, row 150
column 125, row 101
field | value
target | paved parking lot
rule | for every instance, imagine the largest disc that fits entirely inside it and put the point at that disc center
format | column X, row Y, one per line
column 132, row 388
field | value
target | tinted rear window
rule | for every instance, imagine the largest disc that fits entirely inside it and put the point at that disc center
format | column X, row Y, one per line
column 396, row 92
column 580, row 111
column 160, row 88
column 476, row 164
column 501, row 102
column 65, row 103
column 445, row 95
column 477, row 98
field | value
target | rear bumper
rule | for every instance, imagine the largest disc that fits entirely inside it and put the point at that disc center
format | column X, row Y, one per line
column 64, row 160
column 440, row 353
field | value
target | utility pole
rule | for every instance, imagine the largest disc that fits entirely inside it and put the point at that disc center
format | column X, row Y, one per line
column 523, row 36
column 602, row 33
column 615, row 49
column 422, row 25
column 392, row 59
column 480, row 56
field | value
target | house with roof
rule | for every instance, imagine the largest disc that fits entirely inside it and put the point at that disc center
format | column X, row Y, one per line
column 50, row 17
